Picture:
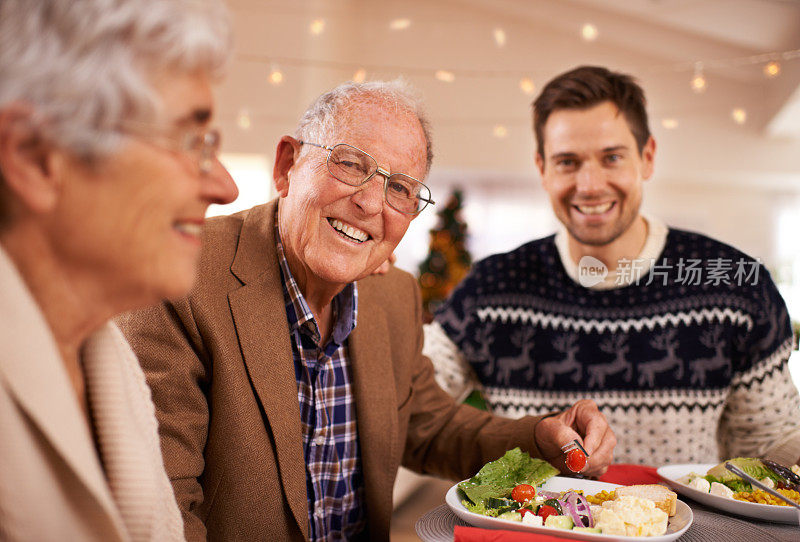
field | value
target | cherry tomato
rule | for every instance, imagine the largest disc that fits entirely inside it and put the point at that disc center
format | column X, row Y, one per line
column 576, row 460
column 523, row 493
column 523, row 511
column 546, row 511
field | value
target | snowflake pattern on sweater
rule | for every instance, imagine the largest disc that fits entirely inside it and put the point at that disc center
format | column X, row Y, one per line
column 685, row 371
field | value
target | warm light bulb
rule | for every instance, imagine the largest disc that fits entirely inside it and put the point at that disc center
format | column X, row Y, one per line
column 360, row 75
column 317, row 26
column 527, row 86
column 445, row 76
column 739, row 115
column 400, row 24
column 772, row 69
column 499, row 37
column 589, row 32
column 699, row 83
column 500, row 131
column 276, row 76
column 669, row 124
column 243, row 120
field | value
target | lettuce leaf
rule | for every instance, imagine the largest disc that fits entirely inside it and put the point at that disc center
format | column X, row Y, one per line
column 750, row 465
column 497, row 478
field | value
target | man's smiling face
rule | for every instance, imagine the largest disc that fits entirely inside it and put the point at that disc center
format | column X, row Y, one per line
column 593, row 172
column 335, row 233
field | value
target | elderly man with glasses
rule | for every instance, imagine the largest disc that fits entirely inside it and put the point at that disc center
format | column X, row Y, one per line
column 290, row 384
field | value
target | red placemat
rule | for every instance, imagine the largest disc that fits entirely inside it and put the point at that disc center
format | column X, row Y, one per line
column 627, row 475
column 475, row 534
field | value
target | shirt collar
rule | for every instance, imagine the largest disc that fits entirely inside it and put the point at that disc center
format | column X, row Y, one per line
column 345, row 304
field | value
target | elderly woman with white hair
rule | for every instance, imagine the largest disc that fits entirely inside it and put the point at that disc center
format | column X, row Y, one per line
column 107, row 166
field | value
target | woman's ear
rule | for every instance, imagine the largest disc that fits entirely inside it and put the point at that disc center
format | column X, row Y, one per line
column 27, row 160
column 285, row 156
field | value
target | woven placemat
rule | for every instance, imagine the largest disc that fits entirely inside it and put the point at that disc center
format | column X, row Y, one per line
column 437, row 526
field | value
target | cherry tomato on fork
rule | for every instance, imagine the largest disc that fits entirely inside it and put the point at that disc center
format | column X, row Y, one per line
column 576, row 460
column 523, row 493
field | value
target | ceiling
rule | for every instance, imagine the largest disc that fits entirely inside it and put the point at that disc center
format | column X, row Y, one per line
column 661, row 42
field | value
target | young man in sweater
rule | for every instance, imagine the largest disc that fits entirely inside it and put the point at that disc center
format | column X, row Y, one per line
column 681, row 340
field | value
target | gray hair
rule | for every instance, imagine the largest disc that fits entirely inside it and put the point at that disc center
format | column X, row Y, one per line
column 84, row 65
column 319, row 119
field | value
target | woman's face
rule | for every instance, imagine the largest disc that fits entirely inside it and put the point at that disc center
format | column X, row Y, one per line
column 132, row 222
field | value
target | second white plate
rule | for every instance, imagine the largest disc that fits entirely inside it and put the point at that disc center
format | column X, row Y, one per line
column 763, row 512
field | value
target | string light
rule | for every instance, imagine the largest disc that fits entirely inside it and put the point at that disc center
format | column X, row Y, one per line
column 317, row 26
column 360, row 75
column 739, row 115
column 669, row 124
column 445, row 76
column 500, row 37
column 697, row 66
column 275, row 76
column 772, row 69
column 589, row 32
column 699, row 80
column 500, row 131
column 400, row 24
column 526, row 85
column 243, row 119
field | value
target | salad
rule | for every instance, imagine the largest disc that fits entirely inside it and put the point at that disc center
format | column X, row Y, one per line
column 721, row 482
column 507, row 489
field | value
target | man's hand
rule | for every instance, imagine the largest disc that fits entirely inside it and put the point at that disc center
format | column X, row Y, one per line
column 385, row 266
column 582, row 421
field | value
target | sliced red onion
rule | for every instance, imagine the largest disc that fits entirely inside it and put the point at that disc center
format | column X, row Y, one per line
column 580, row 505
column 569, row 508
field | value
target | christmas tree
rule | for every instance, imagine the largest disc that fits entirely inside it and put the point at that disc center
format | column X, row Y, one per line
column 448, row 260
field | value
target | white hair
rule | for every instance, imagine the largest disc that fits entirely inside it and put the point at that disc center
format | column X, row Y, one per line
column 319, row 119
column 84, row 66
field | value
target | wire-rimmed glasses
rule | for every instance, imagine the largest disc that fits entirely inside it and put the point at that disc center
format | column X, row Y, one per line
column 354, row 167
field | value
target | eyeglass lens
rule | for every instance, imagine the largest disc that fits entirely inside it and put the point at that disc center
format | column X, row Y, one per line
column 205, row 145
column 353, row 166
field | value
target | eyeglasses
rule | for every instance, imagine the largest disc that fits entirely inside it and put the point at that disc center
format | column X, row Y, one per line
column 354, row 167
column 201, row 145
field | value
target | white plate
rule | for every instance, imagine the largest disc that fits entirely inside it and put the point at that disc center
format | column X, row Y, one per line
column 676, row 527
column 768, row 512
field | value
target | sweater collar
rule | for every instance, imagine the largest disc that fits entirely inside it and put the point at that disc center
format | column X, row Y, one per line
column 651, row 251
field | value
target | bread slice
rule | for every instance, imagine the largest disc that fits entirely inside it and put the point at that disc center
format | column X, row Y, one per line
column 665, row 499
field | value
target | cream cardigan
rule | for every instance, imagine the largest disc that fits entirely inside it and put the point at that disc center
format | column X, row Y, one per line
column 53, row 483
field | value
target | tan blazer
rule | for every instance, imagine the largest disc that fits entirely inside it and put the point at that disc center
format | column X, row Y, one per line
column 52, row 483
column 220, row 366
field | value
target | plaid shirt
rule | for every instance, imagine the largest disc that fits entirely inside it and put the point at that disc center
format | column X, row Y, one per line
column 334, row 482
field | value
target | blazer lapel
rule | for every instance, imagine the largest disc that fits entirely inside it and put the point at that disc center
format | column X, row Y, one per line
column 376, row 402
column 32, row 369
column 260, row 320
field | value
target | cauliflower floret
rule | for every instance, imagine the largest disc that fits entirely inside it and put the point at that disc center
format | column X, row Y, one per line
column 632, row 516
column 721, row 490
column 700, row 484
